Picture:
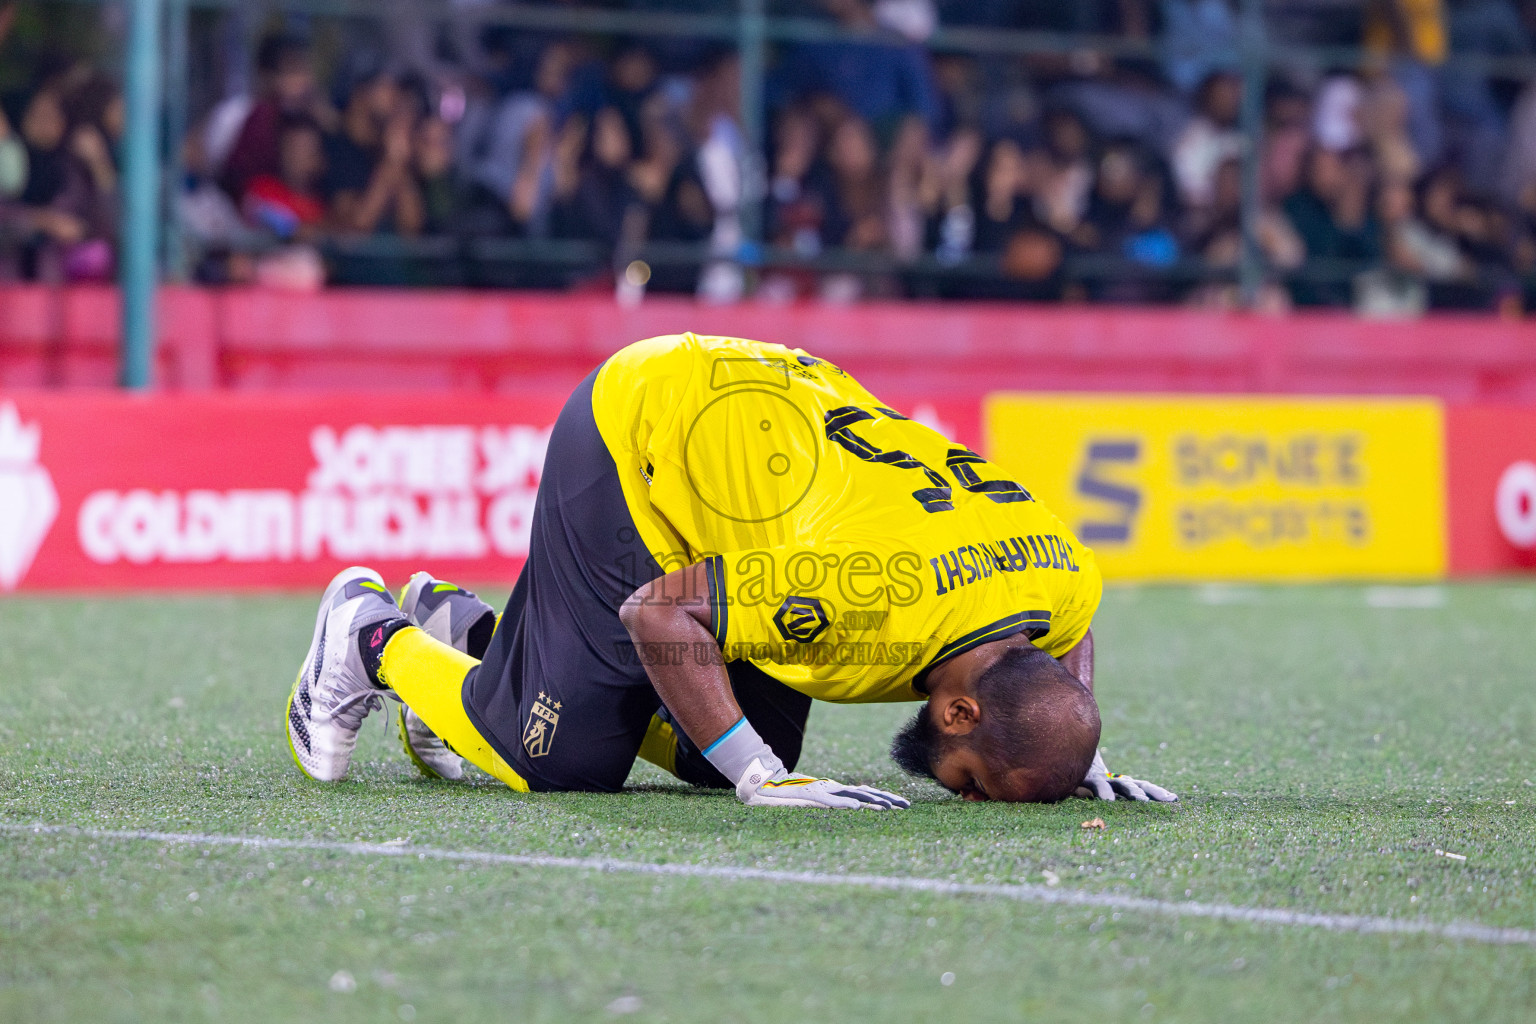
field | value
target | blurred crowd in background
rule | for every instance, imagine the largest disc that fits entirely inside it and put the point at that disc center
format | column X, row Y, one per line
column 1398, row 181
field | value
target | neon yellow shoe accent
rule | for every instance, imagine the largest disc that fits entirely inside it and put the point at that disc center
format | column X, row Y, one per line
column 410, row 751
column 288, row 729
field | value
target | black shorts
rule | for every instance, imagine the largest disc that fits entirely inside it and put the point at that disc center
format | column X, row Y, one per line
column 560, row 692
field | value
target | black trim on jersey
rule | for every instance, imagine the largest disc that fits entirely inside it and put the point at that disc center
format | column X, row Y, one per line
column 1034, row 625
column 719, row 614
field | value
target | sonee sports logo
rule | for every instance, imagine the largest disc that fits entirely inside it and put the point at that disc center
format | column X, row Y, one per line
column 801, row 619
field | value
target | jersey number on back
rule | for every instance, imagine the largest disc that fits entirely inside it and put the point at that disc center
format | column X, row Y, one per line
column 961, row 462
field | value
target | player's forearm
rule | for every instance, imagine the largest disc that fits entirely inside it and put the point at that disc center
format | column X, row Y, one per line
column 668, row 636
column 1079, row 660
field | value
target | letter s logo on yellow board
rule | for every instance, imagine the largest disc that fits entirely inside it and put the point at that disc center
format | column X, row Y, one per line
column 1251, row 488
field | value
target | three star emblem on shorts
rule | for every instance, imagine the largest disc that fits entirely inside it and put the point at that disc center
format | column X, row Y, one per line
column 543, row 718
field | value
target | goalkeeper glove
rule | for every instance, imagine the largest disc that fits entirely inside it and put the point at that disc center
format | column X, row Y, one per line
column 1104, row 784
column 763, row 781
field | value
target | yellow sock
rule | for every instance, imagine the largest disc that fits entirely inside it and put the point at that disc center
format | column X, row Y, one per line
column 660, row 745
column 429, row 676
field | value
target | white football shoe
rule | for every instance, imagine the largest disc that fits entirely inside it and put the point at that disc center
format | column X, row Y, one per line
column 446, row 613
column 332, row 693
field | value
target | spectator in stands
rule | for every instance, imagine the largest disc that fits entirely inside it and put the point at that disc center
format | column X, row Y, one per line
column 510, row 152
column 353, row 151
column 95, row 112
column 1333, row 215
column 442, row 193
column 1062, row 198
column 592, row 192
column 630, row 83
column 1210, row 139
column 794, row 202
column 369, row 181
column 1128, row 216
column 1214, row 231
column 51, row 215
column 946, row 194
column 1004, row 203
column 881, row 82
column 906, row 211
column 209, row 219
column 1411, row 245
column 1476, row 119
column 1119, row 181
column 1000, row 210
column 722, row 156
column 1481, row 230
column 855, row 199
column 290, row 204
column 1287, row 137
column 1383, row 119
column 285, row 89
column 1411, row 36
column 876, row 147
column 794, row 205
column 667, row 177
column 1336, row 112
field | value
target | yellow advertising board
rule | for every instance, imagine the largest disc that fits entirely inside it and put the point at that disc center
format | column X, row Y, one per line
column 1185, row 487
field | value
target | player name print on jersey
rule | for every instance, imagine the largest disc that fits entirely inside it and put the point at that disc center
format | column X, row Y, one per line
column 956, row 568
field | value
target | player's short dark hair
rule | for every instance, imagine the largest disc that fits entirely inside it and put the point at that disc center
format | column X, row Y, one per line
column 281, row 50
column 1035, row 714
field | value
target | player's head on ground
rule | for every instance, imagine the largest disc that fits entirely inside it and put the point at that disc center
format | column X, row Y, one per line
column 1005, row 724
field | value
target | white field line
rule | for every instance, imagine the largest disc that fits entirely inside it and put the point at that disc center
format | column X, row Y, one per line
column 888, row 883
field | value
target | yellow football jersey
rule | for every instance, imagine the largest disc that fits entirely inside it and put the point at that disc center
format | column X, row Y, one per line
column 848, row 549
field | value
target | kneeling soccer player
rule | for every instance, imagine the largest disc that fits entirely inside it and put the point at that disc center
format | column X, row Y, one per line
column 724, row 530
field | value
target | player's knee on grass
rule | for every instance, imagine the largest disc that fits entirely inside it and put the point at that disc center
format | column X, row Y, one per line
column 1035, row 738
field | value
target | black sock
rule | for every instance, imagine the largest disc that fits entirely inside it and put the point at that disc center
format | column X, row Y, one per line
column 478, row 640
column 371, row 642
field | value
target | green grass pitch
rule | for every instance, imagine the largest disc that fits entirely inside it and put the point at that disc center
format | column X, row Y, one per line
column 1326, row 742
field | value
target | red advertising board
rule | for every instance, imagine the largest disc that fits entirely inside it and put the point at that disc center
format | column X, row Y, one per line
column 219, row 490
column 113, row 491
column 1491, row 488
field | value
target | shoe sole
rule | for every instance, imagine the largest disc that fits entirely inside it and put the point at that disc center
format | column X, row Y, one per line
column 337, row 582
column 410, row 601
column 410, row 752
column 410, row 595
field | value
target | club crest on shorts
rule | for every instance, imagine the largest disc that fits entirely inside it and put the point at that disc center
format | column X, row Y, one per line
column 801, row 619
column 542, row 719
